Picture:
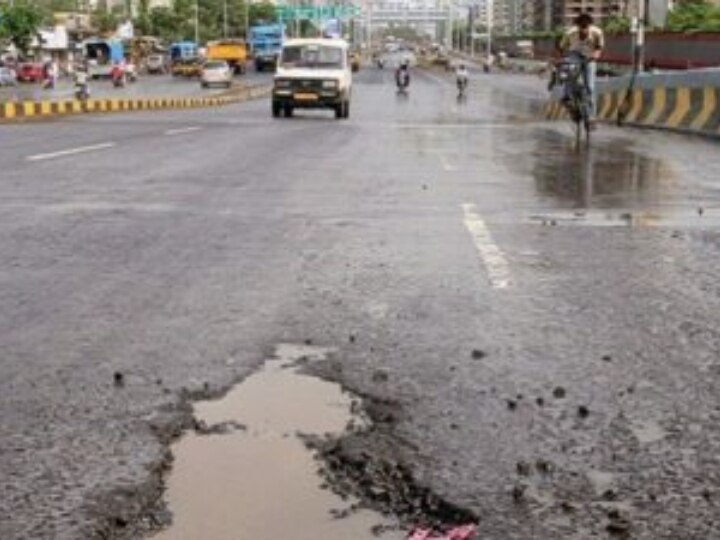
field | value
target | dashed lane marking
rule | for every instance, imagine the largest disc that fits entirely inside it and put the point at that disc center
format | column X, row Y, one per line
column 491, row 255
column 71, row 151
column 183, row 130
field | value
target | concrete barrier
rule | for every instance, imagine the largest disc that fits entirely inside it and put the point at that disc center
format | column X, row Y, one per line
column 680, row 101
column 37, row 109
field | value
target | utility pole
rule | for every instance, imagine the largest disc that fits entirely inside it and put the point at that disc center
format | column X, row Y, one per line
column 197, row 23
column 489, row 23
column 225, row 20
column 247, row 20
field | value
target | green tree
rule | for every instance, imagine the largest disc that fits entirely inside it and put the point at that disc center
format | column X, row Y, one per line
column 617, row 24
column 19, row 23
column 262, row 12
column 142, row 21
column 104, row 21
column 695, row 15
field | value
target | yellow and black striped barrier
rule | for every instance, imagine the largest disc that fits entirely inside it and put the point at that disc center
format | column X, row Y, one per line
column 47, row 108
column 688, row 109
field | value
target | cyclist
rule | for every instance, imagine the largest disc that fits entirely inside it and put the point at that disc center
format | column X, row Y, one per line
column 587, row 40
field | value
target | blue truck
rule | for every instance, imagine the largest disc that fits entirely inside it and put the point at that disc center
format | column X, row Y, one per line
column 101, row 55
column 265, row 43
column 183, row 50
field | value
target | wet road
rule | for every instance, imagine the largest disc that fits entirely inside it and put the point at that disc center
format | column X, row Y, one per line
column 542, row 321
column 146, row 86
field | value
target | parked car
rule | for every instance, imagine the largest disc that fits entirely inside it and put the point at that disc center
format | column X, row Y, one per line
column 156, row 64
column 7, row 77
column 30, row 72
column 216, row 72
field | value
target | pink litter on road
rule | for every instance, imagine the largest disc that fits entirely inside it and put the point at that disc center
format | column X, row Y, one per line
column 464, row 532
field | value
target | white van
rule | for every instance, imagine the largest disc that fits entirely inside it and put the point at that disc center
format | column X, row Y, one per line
column 313, row 74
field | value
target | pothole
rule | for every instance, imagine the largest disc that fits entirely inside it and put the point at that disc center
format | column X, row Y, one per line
column 247, row 472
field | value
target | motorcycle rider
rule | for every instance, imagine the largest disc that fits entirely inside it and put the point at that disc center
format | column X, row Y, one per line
column 82, row 87
column 461, row 77
column 402, row 75
column 117, row 74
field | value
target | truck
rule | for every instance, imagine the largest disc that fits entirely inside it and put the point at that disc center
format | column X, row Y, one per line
column 232, row 51
column 182, row 50
column 266, row 41
column 101, row 55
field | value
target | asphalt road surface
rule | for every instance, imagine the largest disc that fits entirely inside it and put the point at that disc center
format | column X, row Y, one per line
column 543, row 320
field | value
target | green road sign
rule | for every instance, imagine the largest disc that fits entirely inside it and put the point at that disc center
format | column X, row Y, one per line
column 290, row 13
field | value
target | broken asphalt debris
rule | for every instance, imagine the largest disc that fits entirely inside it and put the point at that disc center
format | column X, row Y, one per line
column 478, row 354
column 118, row 379
column 462, row 532
column 559, row 392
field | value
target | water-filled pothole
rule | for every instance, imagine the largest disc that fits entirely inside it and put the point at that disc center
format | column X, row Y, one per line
column 256, row 479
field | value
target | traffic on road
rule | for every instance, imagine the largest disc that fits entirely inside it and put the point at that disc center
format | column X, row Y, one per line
column 384, row 299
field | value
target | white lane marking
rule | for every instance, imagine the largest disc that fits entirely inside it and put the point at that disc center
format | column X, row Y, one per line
column 440, row 126
column 71, row 151
column 492, row 257
column 446, row 164
column 180, row 131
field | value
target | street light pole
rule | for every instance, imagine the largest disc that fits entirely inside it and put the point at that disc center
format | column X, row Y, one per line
column 225, row 20
column 197, row 23
column 489, row 20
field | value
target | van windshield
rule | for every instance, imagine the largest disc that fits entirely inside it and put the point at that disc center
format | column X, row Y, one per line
column 313, row 56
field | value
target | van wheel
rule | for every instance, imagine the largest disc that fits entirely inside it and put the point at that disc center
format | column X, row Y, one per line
column 288, row 111
column 342, row 110
column 275, row 109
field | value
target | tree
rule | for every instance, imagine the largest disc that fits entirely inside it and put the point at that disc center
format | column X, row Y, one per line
column 105, row 22
column 262, row 12
column 19, row 23
column 695, row 15
column 617, row 24
column 142, row 22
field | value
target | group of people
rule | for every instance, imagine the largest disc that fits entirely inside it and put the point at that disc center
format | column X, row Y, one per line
column 584, row 39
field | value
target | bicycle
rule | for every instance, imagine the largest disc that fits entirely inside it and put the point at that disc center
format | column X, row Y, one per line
column 571, row 73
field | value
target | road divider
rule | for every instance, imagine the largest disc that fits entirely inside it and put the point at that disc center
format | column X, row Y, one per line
column 688, row 102
column 10, row 111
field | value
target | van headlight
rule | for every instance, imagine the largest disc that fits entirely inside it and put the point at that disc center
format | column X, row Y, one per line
column 330, row 84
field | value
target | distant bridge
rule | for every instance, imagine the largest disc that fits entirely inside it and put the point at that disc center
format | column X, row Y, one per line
column 410, row 15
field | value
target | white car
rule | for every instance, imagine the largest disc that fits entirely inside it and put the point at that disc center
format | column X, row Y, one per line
column 313, row 74
column 216, row 72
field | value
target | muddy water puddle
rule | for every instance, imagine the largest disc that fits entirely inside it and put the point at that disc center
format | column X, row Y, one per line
column 255, row 479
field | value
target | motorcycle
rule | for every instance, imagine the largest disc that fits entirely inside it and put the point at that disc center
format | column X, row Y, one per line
column 462, row 83
column 402, row 80
column 82, row 91
column 118, row 77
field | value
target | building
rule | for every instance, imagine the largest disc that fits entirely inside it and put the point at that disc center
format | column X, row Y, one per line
column 513, row 16
column 554, row 14
column 601, row 10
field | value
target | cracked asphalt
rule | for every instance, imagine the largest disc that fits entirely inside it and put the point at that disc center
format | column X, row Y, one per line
column 542, row 319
